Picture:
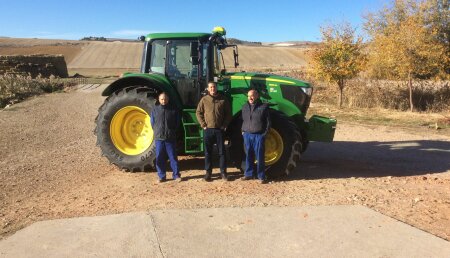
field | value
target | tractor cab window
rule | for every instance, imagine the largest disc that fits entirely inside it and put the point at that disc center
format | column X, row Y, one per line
column 205, row 59
column 180, row 63
column 158, row 56
column 217, row 60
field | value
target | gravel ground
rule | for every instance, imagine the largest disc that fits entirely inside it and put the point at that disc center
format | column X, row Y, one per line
column 50, row 168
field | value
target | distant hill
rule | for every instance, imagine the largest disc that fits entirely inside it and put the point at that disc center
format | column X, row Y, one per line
column 116, row 56
column 292, row 44
column 108, row 39
column 234, row 41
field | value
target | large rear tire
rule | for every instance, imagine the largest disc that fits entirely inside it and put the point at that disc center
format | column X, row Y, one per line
column 123, row 129
column 283, row 146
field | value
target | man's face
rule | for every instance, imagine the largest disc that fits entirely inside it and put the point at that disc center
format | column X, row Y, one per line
column 163, row 99
column 252, row 96
column 212, row 89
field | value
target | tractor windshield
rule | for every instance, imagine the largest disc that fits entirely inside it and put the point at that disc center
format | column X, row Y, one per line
column 180, row 64
column 158, row 56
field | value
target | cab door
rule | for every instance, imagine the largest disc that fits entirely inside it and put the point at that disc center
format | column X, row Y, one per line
column 182, row 71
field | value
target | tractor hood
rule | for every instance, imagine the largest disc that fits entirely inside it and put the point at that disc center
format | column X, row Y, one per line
column 256, row 80
column 285, row 94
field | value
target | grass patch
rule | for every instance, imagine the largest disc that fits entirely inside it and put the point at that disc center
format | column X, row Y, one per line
column 14, row 89
column 428, row 95
column 416, row 121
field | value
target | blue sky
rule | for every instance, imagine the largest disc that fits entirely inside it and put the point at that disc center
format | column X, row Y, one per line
column 252, row 20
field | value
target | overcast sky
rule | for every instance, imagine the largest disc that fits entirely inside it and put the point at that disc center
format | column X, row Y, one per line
column 253, row 20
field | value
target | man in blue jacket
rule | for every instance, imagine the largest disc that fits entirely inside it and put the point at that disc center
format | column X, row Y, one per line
column 165, row 120
column 256, row 124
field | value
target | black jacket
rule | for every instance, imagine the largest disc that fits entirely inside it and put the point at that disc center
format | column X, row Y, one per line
column 256, row 118
column 165, row 121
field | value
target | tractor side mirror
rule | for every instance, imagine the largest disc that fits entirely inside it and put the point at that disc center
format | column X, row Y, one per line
column 194, row 53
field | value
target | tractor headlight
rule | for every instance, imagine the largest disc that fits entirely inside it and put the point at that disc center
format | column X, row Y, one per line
column 298, row 95
column 307, row 91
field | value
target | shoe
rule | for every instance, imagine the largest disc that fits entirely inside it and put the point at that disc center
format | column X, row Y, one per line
column 177, row 177
column 225, row 177
column 245, row 178
column 162, row 180
column 263, row 181
column 207, row 178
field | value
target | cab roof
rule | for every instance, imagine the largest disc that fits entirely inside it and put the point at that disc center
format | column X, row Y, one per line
column 176, row 35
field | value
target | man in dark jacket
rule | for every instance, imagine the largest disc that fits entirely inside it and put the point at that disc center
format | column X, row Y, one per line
column 256, row 124
column 214, row 114
column 165, row 120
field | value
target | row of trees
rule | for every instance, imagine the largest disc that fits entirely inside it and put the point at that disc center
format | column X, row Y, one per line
column 408, row 40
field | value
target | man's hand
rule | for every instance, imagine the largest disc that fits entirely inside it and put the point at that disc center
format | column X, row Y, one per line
column 204, row 128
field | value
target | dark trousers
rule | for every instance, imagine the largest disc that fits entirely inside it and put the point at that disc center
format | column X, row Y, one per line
column 213, row 136
column 254, row 146
column 166, row 149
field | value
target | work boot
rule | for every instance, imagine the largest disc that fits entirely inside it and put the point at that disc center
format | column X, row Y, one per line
column 246, row 178
column 263, row 181
column 177, row 178
column 207, row 178
column 225, row 177
column 162, row 180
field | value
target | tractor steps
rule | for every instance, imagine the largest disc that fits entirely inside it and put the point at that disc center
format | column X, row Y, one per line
column 193, row 133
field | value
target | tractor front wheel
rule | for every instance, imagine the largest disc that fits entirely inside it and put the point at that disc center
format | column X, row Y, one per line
column 123, row 129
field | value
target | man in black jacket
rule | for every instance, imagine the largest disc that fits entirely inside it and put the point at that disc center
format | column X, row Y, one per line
column 165, row 120
column 256, row 124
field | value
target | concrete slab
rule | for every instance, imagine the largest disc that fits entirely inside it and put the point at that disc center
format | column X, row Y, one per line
column 326, row 231
column 122, row 235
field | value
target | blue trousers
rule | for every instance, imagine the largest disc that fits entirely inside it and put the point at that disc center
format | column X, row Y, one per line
column 164, row 150
column 254, row 146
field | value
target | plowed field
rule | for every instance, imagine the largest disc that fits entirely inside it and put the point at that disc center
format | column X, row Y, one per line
column 102, row 58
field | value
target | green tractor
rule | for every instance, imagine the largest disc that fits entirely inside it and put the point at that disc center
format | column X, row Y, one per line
column 181, row 64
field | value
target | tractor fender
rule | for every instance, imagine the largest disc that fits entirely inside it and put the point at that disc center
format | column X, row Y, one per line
column 144, row 81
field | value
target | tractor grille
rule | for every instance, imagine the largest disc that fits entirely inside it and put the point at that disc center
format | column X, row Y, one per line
column 296, row 95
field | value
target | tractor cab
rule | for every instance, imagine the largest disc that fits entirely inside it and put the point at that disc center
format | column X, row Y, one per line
column 188, row 60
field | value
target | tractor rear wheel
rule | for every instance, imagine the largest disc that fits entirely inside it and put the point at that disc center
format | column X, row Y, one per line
column 283, row 146
column 123, row 129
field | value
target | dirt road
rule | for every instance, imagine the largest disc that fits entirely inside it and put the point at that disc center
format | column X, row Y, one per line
column 50, row 168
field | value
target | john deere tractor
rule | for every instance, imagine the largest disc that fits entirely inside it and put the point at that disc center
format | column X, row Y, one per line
column 181, row 64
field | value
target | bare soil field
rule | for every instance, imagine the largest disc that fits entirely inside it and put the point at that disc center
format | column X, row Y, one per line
column 70, row 49
column 109, row 55
column 112, row 58
column 50, row 168
column 262, row 57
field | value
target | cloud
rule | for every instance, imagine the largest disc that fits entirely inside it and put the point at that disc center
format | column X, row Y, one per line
column 130, row 33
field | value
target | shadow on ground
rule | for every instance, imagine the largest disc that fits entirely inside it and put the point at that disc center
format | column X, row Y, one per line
column 357, row 159
column 198, row 163
column 373, row 159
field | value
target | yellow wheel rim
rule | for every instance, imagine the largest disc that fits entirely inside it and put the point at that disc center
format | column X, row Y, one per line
column 131, row 131
column 274, row 147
